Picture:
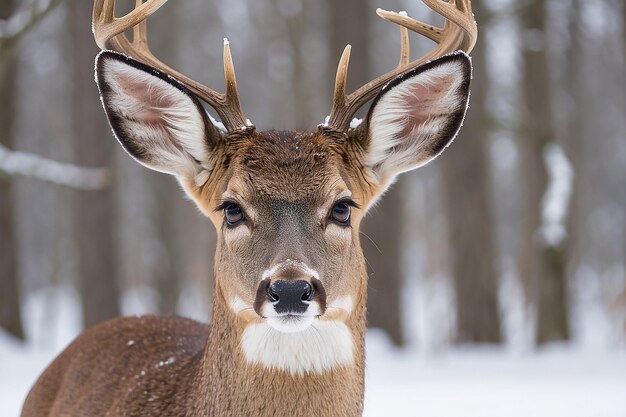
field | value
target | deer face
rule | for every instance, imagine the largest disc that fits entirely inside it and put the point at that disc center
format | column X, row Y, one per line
column 287, row 217
column 286, row 205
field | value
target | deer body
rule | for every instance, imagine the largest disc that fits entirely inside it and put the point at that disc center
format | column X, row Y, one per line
column 288, row 323
column 178, row 374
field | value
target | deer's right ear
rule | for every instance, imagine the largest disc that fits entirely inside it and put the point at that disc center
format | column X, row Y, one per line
column 156, row 119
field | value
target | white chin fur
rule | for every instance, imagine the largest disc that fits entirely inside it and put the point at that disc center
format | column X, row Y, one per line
column 290, row 323
column 320, row 347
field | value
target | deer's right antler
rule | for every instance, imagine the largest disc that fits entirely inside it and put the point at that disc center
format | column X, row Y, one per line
column 458, row 33
column 109, row 34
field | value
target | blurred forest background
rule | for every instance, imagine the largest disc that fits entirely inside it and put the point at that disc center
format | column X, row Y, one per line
column 516, row 236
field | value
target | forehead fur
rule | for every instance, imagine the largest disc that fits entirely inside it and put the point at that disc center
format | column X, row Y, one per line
column 289, row 166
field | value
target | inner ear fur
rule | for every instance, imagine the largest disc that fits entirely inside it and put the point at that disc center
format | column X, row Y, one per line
column 155, row 118
column 415, row 116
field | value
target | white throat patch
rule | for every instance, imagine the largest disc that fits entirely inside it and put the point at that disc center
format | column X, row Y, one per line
column 323, row 346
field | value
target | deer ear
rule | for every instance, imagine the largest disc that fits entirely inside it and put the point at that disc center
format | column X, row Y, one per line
column 155, row 118
column 416, row 116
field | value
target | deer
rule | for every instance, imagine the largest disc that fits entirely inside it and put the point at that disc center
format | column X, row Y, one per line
column 287, row 333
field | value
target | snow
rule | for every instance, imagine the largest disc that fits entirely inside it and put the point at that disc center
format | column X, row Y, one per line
column 483, row 381
column 556, row 199
column 219, row 125
column 560, row 380
column 29, row 165
column 354, row 123
column 21, row 366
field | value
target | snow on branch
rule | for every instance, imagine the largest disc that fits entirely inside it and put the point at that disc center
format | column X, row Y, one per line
column 33, row 166
column 12, row 29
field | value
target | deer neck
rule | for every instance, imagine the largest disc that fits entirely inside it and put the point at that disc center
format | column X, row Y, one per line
column 229, row 384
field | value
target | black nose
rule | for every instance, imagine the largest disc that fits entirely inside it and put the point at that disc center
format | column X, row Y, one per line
column 290, row 296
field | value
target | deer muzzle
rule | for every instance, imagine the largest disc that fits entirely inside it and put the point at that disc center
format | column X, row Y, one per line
column 290, row 297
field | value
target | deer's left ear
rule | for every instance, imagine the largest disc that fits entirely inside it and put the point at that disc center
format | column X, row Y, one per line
column 416, row 116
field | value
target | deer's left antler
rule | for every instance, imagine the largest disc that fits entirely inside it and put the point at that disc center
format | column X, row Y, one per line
column 459, row 32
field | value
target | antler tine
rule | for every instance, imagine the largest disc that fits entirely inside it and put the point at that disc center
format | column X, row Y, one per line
column 341, row 78
column 109, row 34
column 458, row 33
column 232, row 94
column 405, row 47
column 106, row 26
column 458, row 13
column 140, row 31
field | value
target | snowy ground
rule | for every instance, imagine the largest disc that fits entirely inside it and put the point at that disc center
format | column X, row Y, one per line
column 477, row 382
column 483, row 382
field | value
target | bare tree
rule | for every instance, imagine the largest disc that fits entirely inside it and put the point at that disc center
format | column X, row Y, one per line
column 542, row 261
column 94, row 216
column 10, row 316
column 470, row 219
column 623, row 295
column 14, row 25
column 381, row 240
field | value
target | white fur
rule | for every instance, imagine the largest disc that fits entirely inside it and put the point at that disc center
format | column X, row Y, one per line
column 392, row 150
column 237, row 305
column 323, row 346
column 268, row 273
column 291, row 323
column 173, row 136
column 342, row 303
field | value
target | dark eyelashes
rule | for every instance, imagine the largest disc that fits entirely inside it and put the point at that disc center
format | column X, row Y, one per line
column 223, row 205
column 348, row 202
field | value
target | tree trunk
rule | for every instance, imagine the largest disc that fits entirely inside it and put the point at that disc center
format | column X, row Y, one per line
column 95, row 210
column 381, row 241
column 623, row 295
column 573, row 129
column 470, row 220
column 167, row 275
column 349, row 21
column 542, row 262
column 10, row 315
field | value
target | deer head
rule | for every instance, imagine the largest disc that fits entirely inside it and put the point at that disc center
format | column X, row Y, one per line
column 287, row 205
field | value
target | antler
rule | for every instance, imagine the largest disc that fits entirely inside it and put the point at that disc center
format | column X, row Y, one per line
column 459, row 32
column 109, row 34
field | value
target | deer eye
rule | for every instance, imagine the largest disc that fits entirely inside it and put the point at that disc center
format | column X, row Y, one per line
column 340, row 213
column 233, row 214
